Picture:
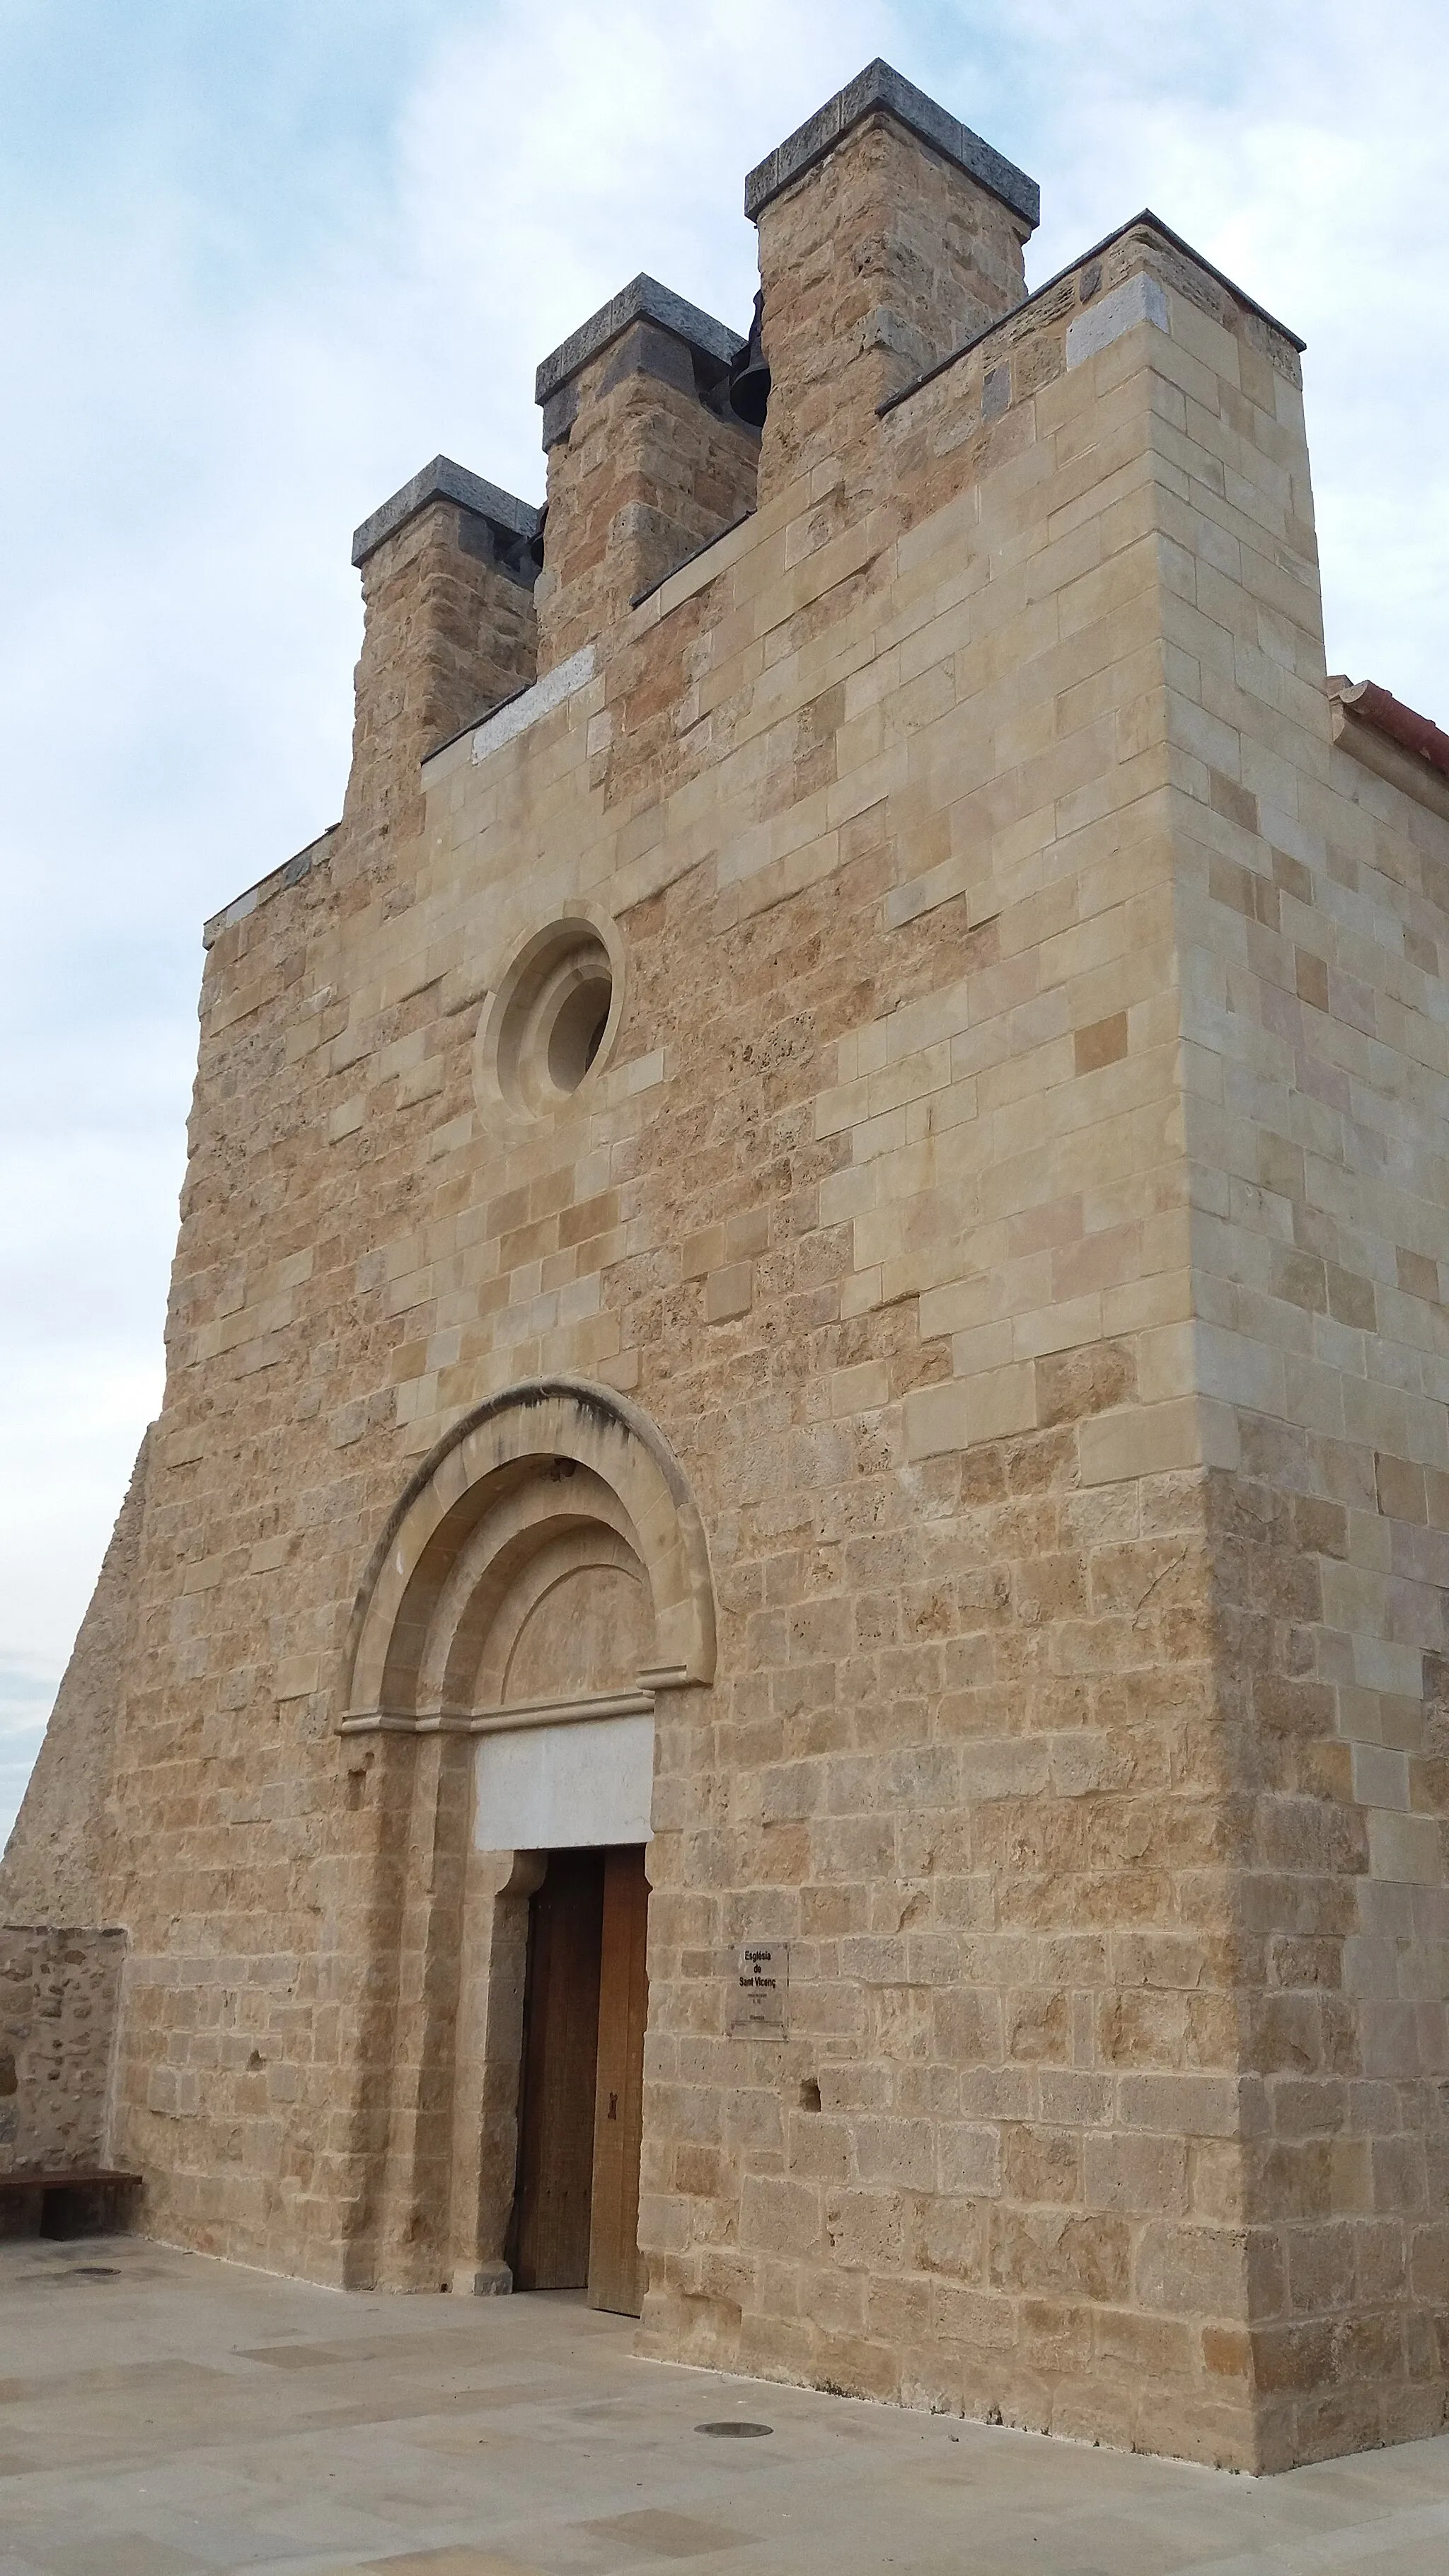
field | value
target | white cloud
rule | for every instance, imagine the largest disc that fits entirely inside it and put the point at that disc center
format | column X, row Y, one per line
column 261, row 285
column 1299, row 147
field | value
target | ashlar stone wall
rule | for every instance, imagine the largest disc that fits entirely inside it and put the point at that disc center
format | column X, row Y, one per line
column 1312, row 901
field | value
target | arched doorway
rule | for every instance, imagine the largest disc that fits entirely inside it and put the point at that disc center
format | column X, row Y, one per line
column 541, row 1581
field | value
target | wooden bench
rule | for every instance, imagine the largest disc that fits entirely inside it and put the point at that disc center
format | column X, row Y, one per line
column 87, row 2201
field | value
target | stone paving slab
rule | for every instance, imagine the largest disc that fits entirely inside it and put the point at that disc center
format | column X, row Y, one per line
column 163, row 2415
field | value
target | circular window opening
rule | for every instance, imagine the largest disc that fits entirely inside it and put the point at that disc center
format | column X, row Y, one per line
column 578, row 1029
column 553, row 1016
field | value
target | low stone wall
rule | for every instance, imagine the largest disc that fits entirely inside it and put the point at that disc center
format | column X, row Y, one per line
column 58, row 1995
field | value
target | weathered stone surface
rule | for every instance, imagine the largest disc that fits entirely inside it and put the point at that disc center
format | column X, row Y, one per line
column 876, row 261
column 646, row 462
column 983, row 1285
column 59, row 1992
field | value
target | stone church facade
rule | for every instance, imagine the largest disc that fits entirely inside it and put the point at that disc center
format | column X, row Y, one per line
column 795, row 1555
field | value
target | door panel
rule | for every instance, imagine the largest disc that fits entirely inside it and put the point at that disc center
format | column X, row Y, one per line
column 616, row 2273
column 551, row 2226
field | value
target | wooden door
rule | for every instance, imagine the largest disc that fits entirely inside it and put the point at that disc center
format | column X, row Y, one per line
column 551, row 2210
column 616, row 2274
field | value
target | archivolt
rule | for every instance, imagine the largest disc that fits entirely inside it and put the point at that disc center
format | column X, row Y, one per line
column 548, row 1457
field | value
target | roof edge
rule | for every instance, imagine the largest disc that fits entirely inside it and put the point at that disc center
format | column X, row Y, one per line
column 1050, row 284
column 1389, row 715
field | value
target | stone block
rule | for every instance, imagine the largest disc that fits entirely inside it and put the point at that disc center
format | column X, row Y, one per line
column 728, row 1292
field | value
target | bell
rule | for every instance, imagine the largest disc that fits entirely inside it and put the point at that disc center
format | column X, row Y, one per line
column 750, row 373
column 523, row 555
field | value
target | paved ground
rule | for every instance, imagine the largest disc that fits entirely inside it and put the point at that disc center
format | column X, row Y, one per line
column 160, row 2415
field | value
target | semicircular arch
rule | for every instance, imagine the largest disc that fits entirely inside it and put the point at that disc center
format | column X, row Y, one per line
column 543, row 1458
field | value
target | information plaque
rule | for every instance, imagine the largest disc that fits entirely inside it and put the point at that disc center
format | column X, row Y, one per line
column 761, row 1984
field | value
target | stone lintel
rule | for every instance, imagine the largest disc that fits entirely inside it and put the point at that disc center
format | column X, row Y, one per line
column 442, row 480
column 642, row 300
column 880, row 91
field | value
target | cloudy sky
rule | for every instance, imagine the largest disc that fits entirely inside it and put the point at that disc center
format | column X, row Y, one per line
column 264, row 259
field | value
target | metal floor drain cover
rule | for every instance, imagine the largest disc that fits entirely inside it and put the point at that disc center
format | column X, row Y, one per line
column 735, row 2431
